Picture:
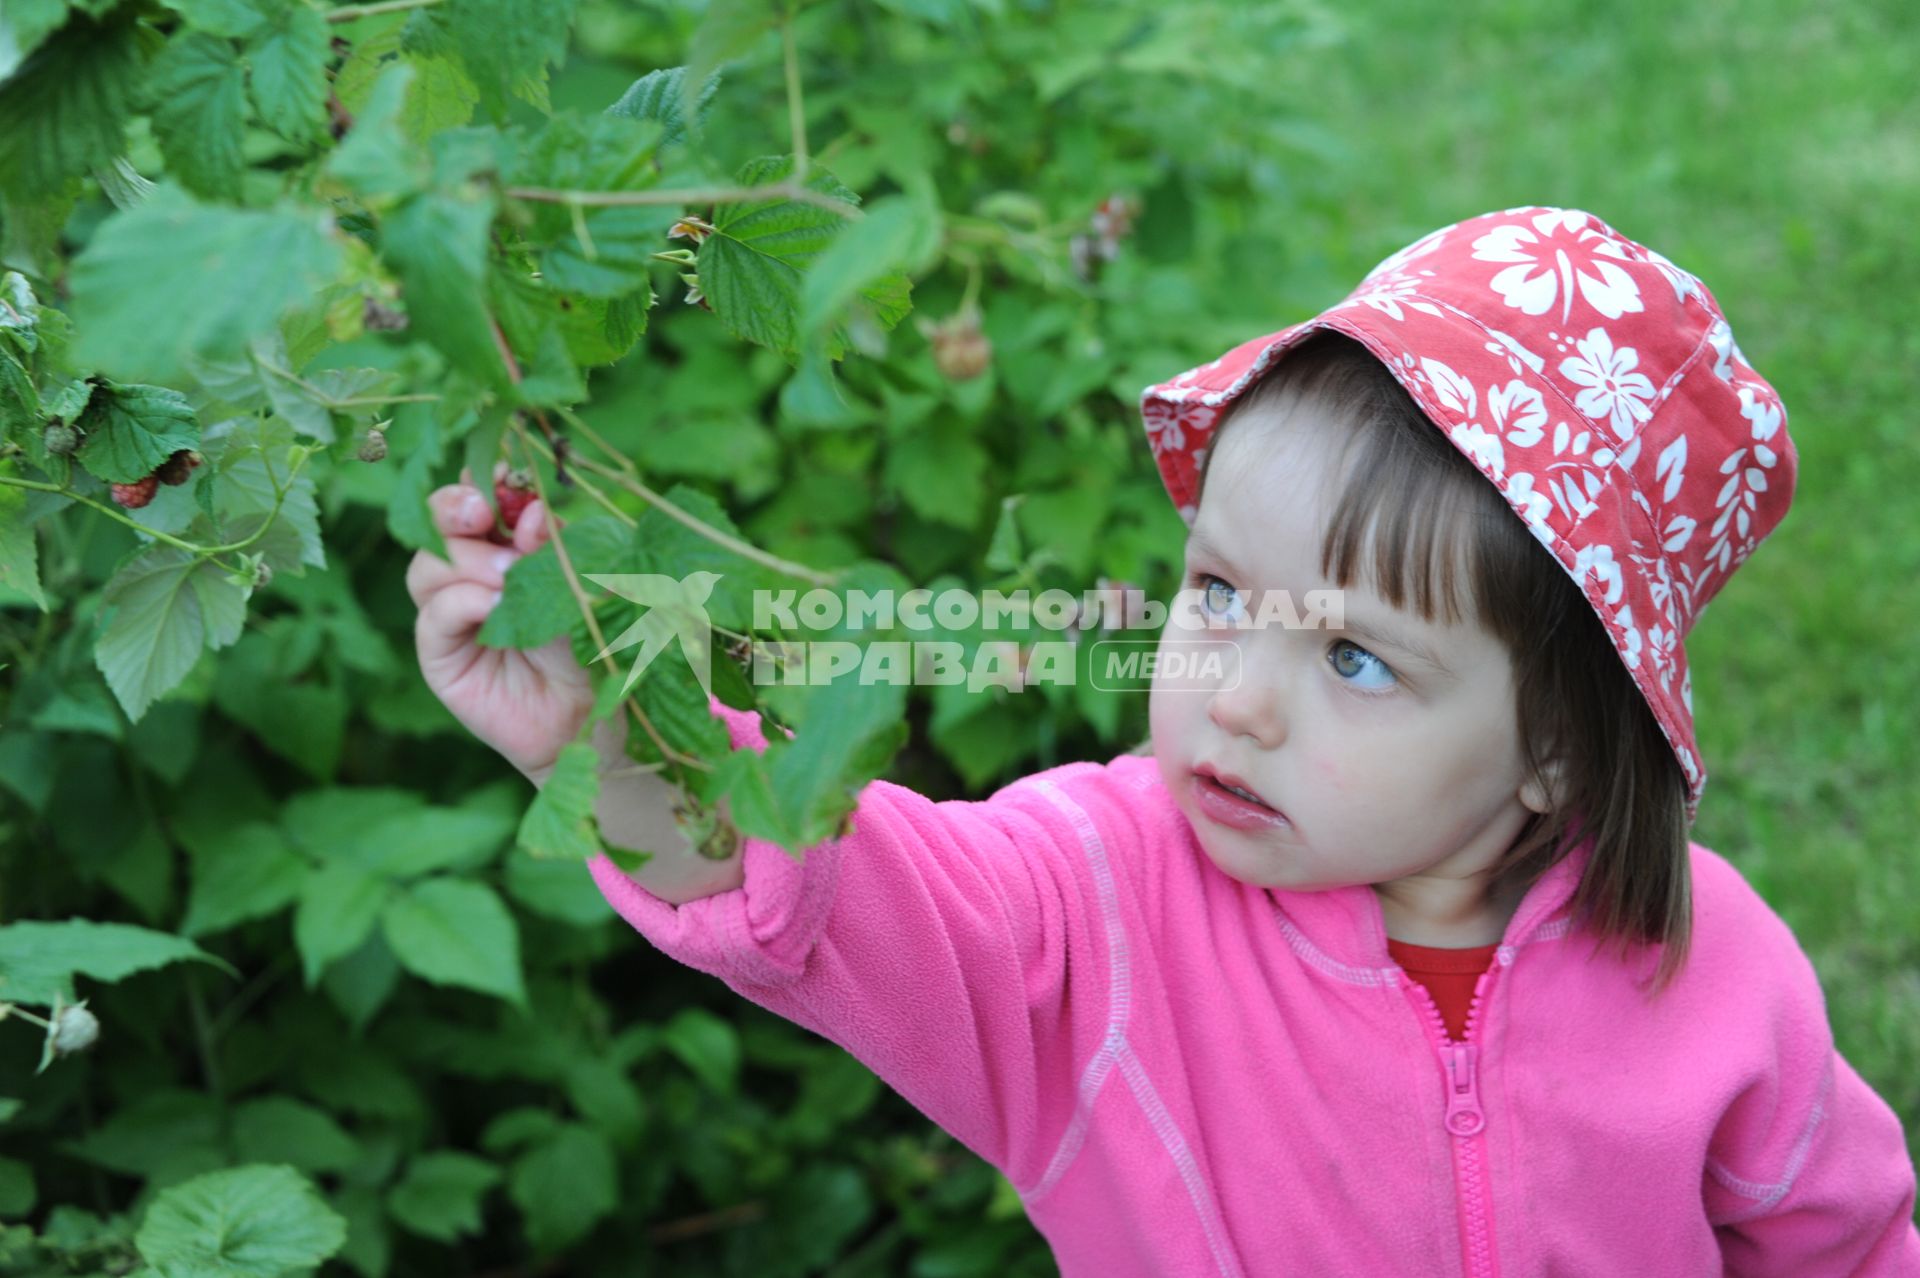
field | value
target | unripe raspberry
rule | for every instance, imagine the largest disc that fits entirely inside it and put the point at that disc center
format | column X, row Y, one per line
column 176, row 469
column 74, row 1029
column 262, row 575
column 60, row 439
column 137, row 494
column 373, row 447
column 960, row 349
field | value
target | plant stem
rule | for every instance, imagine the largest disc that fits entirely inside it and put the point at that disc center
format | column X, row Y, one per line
column 584, row 486
column 593, row 623
column 353, row 13
column 199, row 552
column 796, row 112
column 14, row 1009
column 688, row 195
column 745, row 550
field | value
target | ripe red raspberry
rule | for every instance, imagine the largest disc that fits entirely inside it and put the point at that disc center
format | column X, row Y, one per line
column 514, row 492
column 137, row 494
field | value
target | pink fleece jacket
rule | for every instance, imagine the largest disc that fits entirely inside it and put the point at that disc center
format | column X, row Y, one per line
column 1184, row 1074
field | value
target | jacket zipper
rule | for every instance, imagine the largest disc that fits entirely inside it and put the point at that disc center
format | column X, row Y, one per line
column 1465, row 1120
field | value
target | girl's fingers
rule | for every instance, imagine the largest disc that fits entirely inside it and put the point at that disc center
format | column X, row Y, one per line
column 473, row 560
column 532, row 531
column 460, row 511
column 443, row 632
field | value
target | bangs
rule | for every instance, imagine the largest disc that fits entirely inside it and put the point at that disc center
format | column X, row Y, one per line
column 1413, row 520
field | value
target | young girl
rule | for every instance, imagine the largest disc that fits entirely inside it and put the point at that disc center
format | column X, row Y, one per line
column 1395, row 957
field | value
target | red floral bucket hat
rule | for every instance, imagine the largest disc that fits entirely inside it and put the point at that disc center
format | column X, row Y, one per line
column 1594, row 383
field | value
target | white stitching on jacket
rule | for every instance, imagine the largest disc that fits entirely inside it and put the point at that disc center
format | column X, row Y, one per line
column 1769, row 1195
column 1114, row 1049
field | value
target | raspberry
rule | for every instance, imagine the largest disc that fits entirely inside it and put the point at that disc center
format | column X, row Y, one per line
column 373, row 447
column 74, row 1028
column 960, row 349
column 137, row 494
column 60, row 439
column 514, row 491
column 175, row 469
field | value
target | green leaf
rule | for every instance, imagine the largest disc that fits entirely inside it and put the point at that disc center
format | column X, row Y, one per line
column 565, row 1185
column 241, row 873
column 165, row 1134
column 706, row 1045
column 535, row 602
column 660, row 96
column 361, row 983
column 594, row 251
column 23, row 26
column 456, row 932
column 38, row 960
column 131, row 429
column 799, row 791
column 238, row 18
column 250, row 456
column 19, row 547
column 199, row 91
column 438, row 246
column 168, row 606
column 751, row 266
column 64, row 110
column 393, row 833
column 172, row 278
column 304, row 721
column 727, row 29
column 338, row 908
column 17, row 1193
column 940, row 474
column 559, row 822
column 294, row 1132
column 558, row 889
column 377, row 160
column 246, row 1222
column 504, row 43
column 440, row 1195
column 288, row 56
column 897, row 232
column 441, row 97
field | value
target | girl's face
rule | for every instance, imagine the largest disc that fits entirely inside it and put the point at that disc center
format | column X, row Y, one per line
column 1386, row 747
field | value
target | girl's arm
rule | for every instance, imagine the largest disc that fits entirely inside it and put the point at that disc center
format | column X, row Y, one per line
column 1810, row 1173
column 963, row 951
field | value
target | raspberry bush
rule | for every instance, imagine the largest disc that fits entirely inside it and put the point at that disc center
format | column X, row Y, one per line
column 282, row 947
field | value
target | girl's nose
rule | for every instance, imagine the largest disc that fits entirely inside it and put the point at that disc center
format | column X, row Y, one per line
column 1255, row 707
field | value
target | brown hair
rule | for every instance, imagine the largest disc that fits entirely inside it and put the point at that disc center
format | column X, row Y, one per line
column 1415, row 509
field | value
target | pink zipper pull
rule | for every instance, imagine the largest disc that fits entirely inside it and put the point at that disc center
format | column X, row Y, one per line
column 1464, row 1116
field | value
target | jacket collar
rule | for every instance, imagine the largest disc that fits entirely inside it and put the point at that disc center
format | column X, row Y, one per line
column 1348, row 928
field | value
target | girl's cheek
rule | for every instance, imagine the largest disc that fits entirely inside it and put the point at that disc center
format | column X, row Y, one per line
column 1330, row 773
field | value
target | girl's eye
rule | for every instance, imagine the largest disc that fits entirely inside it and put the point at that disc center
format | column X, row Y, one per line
column 1206, row 582
column 1360, row 668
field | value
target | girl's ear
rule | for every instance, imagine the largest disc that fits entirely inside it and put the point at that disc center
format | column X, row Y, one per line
column 1541, row 792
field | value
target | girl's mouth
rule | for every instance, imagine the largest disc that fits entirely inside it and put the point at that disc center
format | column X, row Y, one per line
column 1233, row 805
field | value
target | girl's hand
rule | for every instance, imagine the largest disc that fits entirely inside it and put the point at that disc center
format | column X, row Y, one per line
column 527, row 704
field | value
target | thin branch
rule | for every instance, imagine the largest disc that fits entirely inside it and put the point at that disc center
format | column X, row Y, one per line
column 584, row 486
column 688, row 195
column 707, row 1222
column 796, row 112
column 586, row 611
column 354, row 12
column 581, row 426
column 744, row 549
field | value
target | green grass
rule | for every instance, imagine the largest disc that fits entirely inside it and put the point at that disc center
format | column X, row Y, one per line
column 1767, row 147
